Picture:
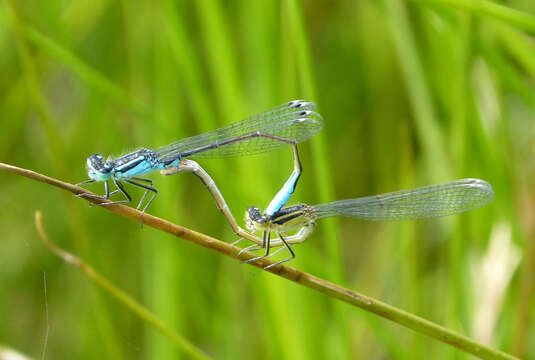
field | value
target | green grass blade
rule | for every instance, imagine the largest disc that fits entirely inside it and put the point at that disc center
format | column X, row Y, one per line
column 491, row 9
column 429, row 133
column 188, row 66
column 120, row 295
column 89, row 75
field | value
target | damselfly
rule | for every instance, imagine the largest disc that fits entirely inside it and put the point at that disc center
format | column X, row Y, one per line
column 421, row 203
column 287, row 124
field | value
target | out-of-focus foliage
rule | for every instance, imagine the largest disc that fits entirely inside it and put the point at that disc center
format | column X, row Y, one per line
column 412, row 93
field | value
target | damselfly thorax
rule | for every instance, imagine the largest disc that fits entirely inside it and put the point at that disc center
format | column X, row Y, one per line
column 286, row 219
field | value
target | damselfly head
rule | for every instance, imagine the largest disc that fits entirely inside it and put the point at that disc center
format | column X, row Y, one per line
column 97, row 169
column 254, row 219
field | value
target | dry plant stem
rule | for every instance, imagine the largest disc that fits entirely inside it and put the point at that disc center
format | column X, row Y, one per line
column 122, row 297
column 330, row 289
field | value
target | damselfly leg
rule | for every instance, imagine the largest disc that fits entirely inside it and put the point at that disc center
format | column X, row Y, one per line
column 287, row 246
column 89, row 181
column 147, row 189
column 265, row 245
column 107, row 194
column 267, row 238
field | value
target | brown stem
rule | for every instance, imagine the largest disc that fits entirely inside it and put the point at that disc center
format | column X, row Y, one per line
column 364, row 302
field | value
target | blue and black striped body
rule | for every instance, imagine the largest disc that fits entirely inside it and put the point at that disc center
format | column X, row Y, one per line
column 138, row 163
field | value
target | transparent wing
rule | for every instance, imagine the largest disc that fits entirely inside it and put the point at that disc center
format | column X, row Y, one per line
column 294, row 120
column 421, row 203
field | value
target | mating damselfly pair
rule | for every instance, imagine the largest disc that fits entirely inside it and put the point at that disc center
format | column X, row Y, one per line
column 285, row 125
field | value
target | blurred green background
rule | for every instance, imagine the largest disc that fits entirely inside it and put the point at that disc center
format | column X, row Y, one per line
column 412, row 93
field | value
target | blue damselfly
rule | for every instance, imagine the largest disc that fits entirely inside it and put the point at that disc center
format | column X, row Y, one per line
column 287, row 124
